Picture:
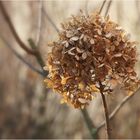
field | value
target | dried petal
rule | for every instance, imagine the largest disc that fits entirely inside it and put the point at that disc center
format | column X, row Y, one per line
column 84, row 55
column 118, row 55
column 92, row 41
column 81, row 100
column 79, row 50
column 69, row 34
column 75, row 38
column 70, row 51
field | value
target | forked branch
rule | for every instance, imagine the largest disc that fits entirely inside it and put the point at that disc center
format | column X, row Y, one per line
column 16, row 36
column 7, row 44
column 118, row 107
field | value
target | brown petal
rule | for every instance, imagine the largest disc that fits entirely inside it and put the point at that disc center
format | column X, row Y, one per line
column 84, row 55
column 69, row 34
column 118, row 55
column 92, row 41
column 79, row 50
column 70, row 51
column 75, row 38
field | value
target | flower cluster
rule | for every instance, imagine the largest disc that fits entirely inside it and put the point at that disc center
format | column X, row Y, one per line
column 90, row 50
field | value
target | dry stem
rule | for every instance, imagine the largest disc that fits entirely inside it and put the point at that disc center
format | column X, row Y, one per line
column 108, row 7
column 50, row 20
column 102, row 6
column 105, row 110
column 40, row 10
column 118, row 107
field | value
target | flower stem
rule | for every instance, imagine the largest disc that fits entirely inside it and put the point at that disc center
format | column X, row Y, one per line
column 106, row 111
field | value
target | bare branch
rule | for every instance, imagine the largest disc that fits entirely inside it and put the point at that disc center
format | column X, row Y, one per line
column 40, row 10
column 20, row 57
column 119, row 106
column 102, row 6
column 108, row 7
column 50, row 20
column 17, row 38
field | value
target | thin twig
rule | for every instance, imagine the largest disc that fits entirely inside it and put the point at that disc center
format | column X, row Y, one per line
column 40, row 10
column 105, row 110
column 86, row 7
column 38, row 56
column 138, row 11
column 50, row 20
column 17, row 38
column 89, row 123
column 108, row 7
column 118, row 107
column 102, row 6
column 20, row 57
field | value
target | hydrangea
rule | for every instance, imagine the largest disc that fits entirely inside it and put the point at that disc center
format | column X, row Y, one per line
column 90, row 50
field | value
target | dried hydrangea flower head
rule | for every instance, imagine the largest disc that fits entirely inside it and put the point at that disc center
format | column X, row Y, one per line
column 90, row 49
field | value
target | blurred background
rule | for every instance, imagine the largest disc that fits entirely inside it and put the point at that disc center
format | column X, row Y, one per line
column 27, row 108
